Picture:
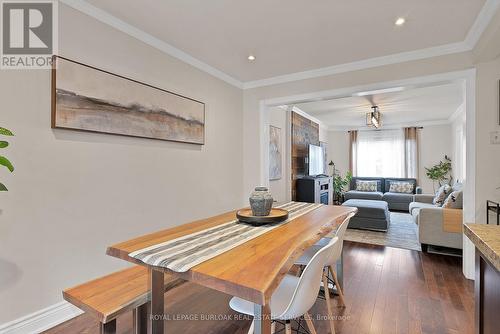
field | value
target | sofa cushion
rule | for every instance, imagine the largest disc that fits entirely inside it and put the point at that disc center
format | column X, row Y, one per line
column 404, row 187
column 415, row 206
column 365, row 185
column 454, row 200
column 398, row 201
column 441, row 195
column 387, row 183
column 380, row 182
column 354, row 194
column 398, row 197
column 457, row 186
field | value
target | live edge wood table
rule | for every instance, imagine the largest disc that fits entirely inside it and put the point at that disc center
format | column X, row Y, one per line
column 251, row 271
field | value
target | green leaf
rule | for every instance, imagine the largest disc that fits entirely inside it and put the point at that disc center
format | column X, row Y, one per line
column 3, row 144
column 5, row 132
column 3, row 187
column 5, row 162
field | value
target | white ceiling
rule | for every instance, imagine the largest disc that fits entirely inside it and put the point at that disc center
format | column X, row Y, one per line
column 412, row 106
column 289, row 36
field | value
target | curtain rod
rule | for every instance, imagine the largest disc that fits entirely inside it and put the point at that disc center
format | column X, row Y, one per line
column 417, row 127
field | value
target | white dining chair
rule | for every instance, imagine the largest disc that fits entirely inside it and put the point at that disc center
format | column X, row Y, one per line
column 295, row 296
column 330, row 264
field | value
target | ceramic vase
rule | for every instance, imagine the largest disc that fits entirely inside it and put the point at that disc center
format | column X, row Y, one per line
column 261, row 201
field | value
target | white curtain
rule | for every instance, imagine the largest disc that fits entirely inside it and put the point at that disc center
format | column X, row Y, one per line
column 381, row 153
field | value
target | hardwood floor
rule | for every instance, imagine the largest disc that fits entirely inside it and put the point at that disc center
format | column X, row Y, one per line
column 387, row 290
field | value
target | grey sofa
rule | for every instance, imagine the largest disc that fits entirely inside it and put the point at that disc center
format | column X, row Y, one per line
column 396, row 201
column 437, row 226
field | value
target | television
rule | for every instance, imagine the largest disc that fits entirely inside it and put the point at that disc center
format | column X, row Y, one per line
column 316, row 160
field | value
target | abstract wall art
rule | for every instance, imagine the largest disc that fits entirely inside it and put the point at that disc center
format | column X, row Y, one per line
column 275, row 153
column 89, row 99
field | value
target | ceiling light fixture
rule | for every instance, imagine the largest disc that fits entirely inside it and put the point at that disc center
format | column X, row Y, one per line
column 374, row 118
column 251, row 57
column 400, row 21
column 380, row 91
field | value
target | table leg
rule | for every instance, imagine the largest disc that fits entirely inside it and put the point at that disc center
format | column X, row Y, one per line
column 157, row 317
column 262, row 319
column 140, row 317
column 109, row 327
column 340, row 269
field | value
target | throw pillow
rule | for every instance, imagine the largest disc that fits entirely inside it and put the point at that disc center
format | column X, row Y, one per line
column 458, row 186
column 401, row 187
column 454, row 200
column 362, row 185
column 441, row 195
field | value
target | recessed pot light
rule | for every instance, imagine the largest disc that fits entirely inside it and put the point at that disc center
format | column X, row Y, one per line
column 400, row 21
column 251, row 58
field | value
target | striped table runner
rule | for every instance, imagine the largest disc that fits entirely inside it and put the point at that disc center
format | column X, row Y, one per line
column 183, row 253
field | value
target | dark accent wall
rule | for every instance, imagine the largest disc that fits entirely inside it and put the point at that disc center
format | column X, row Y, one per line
column 304, row 132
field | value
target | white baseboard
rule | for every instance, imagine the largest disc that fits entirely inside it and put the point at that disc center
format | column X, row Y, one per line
column 41, row 320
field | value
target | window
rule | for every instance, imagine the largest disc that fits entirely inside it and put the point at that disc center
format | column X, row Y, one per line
column 381, row 153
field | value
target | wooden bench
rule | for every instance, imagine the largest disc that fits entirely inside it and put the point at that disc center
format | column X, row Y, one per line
column 110, row 296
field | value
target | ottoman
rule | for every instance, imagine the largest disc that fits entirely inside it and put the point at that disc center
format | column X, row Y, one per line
column 371, row 215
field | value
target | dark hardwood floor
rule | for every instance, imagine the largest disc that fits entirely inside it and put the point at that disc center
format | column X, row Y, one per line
column 387, row 290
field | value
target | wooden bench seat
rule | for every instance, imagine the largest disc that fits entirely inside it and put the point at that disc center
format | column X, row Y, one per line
column 110, row 296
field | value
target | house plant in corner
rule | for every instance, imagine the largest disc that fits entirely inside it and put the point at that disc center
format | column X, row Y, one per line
column 440, row 173
column 3, row 160
column 339, row 185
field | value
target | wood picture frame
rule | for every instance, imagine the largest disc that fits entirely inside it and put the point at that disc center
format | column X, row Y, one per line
column 86, row 98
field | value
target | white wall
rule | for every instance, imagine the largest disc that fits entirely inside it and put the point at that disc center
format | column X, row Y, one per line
column 73, row 193
column 278, row 188
column 458, row 142
column 487, row 154
column 338, row 150
column 435, row 143
column 323, row 134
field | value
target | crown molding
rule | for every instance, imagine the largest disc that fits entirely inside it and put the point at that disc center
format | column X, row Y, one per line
column 391, row 126
column 149, row 39
column 360, row 65
column 480, row 24
column 475, row 32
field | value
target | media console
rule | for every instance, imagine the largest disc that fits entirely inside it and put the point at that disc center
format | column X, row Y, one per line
column 315, row 189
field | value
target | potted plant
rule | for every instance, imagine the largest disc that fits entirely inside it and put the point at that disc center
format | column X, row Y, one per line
column 3, row 160
column 440, row 173
column 339, row 184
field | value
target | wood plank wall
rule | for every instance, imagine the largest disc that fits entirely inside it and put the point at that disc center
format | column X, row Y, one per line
column 304, row 132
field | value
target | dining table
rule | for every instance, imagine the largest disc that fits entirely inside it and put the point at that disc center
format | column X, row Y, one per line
column 251, row 269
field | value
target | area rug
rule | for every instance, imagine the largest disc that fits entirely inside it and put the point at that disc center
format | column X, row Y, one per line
column 402, row 233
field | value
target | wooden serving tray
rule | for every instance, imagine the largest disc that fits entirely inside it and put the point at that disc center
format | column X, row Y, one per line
column 275, row 216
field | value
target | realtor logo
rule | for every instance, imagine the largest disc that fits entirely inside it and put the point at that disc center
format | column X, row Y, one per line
column 28, row 34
